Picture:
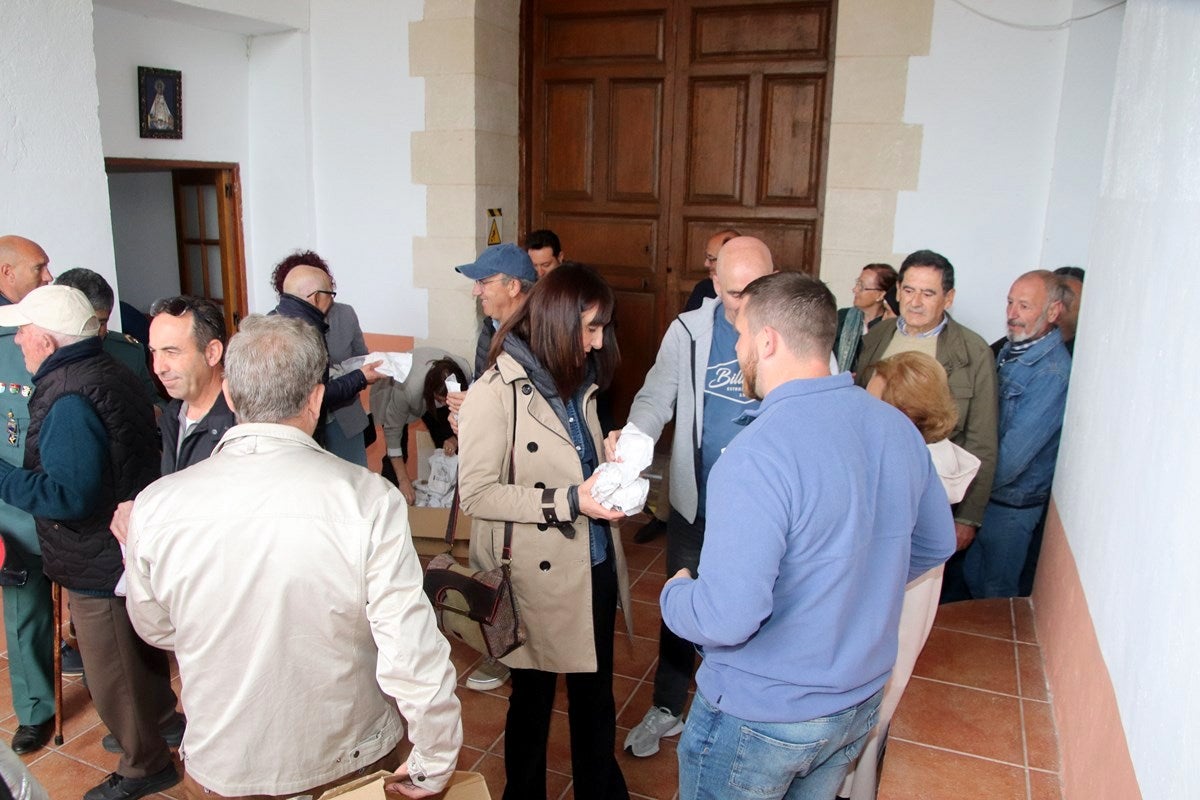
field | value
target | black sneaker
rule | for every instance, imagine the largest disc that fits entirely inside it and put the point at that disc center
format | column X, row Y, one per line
column 172, row 734
column 72, row 662
column 119, row 787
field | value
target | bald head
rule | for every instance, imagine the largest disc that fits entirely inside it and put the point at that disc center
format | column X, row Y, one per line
column 740, row 261
column 310, row 284
column 24, row 266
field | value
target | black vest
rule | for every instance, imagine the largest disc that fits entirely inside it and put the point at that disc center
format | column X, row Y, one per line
column 81, row 554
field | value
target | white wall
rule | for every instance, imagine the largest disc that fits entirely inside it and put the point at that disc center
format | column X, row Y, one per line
column 215, row 86
column 988, row 97
column 143, row 213
column 364, row 111
column 320, row 122
column 53, row 189
column 1127, row 468
column 1082, row 130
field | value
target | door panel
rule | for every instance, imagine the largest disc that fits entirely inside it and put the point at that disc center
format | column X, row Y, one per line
column 649, row 125
column 206, row 220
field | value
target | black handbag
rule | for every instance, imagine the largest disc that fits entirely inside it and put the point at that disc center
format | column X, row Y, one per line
column 477, row 607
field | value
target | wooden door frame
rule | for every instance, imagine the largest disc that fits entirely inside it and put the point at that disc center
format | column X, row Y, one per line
column 238, row 243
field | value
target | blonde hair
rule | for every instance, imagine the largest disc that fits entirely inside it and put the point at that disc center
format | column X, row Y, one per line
column 917, row 385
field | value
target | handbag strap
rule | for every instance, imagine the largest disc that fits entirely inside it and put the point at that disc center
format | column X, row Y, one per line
column 452, row 521
column 506, row 553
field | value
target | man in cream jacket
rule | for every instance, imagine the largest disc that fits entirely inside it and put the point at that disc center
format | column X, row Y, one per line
column 285, row 581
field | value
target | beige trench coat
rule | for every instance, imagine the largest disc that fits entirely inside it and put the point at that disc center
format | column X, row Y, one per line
column 551, row 573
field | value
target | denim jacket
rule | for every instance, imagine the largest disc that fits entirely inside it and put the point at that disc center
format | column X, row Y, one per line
column 1033, row 397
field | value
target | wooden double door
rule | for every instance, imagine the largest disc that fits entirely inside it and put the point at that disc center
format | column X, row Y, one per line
column 649, row 125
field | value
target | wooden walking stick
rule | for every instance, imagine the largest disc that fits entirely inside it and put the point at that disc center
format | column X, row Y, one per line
column 56, row 598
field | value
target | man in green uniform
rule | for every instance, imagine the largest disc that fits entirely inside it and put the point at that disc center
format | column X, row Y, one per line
column 28, row 611
column 124, row 348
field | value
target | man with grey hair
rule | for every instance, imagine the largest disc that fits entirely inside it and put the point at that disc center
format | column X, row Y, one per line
column 91, row 443
column 827, row 505
column 123, row 347
column 323, row 532
column 1033, row 369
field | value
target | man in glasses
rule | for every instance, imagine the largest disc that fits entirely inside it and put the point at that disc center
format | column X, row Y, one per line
column 503, row 275
column 308, row 295
column 28, row 613
column 704, row 288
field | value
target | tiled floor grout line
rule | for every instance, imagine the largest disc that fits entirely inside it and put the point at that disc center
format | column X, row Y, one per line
column 983, row 635
column 1012, row 611
column 957, row 752
column 968, row 686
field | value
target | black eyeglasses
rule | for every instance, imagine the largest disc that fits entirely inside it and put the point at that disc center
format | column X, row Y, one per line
column 332, row 294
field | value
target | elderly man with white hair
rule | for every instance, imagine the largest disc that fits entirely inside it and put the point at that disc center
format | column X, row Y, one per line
column 92, row 443
column 273, row 551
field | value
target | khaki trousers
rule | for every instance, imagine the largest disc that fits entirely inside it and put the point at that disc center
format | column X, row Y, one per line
column 390, row 762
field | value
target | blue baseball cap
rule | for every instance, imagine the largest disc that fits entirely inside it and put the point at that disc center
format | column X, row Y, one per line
column 502, row 259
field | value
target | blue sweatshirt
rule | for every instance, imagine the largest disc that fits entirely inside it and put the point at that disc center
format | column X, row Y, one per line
column 818, row 514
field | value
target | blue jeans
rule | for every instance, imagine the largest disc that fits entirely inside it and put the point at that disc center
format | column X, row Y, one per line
column 723, row 757
column 993, row 563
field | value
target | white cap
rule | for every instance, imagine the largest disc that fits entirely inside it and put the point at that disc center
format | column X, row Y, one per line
column 58, row 309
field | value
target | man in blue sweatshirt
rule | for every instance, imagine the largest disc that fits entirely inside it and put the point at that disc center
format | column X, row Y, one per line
column 819, row 513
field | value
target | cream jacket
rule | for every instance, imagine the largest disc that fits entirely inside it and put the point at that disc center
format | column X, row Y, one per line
column 285, row 580
column 551, row 574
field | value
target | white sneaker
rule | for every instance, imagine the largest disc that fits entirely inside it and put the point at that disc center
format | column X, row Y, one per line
column 489, row 675
column 642, row 741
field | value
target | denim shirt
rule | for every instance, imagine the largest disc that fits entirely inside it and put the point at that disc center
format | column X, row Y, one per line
column 1033, row 397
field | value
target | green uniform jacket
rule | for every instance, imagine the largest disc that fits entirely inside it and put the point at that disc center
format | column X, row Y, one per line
column 132, row 354
column 971, row 368
column 16, row 385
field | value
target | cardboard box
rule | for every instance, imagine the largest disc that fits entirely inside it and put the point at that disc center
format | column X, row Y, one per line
column 429, row 531
column 463, row 786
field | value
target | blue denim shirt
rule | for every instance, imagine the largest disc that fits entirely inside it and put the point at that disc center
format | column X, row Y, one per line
column 1033, row 397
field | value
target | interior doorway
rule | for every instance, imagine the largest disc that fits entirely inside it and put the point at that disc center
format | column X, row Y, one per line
column 177, row 229
column 649, row 125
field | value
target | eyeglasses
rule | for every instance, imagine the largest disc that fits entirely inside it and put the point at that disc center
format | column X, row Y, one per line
column 859, row 286
column 709, row 258
column 485, row 281
column 332, row 294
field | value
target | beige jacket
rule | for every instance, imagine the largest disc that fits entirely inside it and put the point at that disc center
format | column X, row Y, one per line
column 551, row 574
column 285, row 580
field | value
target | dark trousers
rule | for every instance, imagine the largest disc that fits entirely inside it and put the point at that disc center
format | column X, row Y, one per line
column 591, row 712
column 130, row 682
column 677, row 657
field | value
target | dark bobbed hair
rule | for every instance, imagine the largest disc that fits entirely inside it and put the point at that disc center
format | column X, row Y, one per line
column 928, row 258
column 208, row 322
column 916, row 384
column 92, row 284
column 435, row 380
column 306, row 257
column 549, row 322
column 536, row 240
column 798, row 306
column 1071, row 272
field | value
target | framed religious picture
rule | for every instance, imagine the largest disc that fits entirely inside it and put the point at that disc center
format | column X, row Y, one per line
column 160, row 103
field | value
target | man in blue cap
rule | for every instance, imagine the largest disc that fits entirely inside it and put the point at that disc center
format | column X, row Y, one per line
column 503, row 276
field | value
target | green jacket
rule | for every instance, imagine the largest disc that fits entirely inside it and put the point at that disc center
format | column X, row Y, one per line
column 130, row 352
column 15, row 387
column 971, row 368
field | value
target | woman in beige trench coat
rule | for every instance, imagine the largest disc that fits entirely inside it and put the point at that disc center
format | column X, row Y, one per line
column 529, row 442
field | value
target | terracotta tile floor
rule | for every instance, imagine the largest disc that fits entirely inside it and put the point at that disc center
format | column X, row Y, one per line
column 974, row 722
